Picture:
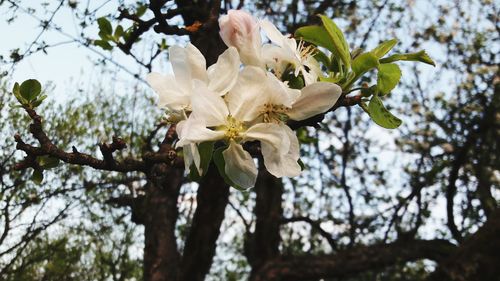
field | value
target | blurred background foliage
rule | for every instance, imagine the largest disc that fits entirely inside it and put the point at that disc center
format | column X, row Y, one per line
column 362, row 184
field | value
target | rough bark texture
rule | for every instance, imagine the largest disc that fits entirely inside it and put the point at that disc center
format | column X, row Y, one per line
column 161, row 257
column 263, row 244
column 213, row 192
column 212, row 199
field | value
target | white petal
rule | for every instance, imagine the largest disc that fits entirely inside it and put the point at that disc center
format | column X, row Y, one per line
column 182, row 70
column 192, row 155
column 314, row 72
column 197, row 63
column 246, row 98
column 272, row 32
column 280, row 93
column 279, row 165
column 270, row 133
column 283, row 165
column 170, row 94
column 239, row 166
column 251, row 49
column 223, row 74
column 275, row 58
column 315, row 99
column 195, row 131
column 208, row 106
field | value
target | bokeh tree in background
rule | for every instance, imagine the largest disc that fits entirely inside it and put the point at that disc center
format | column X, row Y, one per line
column 415, row 203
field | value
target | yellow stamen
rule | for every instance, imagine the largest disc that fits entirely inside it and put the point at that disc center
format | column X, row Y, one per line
column 233, row 128
column 273, row 113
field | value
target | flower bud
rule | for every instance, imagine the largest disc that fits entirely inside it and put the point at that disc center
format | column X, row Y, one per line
column 240, row 30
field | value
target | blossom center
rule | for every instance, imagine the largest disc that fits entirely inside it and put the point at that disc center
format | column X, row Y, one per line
column 274, row 113
column 305, row 51
column 233, row 128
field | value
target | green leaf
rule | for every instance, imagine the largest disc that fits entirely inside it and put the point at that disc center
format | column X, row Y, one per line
column 381, row 116
column 421, row 56
column 118, row 32
column 16, row 92
column 30, row 89
column 316, row 35
column 322, row 58
column 338, row 40
column 48, row 162
column 369, row 91
column 163, row 44
column 105, row 36
column 301, row 164
column 206, row 150
column 221, row 167
column 37, row 176
column 296, row 82
column 104, row 25
column 141, row 10
column 103, row 44
column 388, row 77
column 38, row 101
column 363, row 63
column 384, row 48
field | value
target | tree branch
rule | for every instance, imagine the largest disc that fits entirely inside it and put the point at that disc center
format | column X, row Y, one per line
column 316, row 225
column 47, row 147
column 353, row 261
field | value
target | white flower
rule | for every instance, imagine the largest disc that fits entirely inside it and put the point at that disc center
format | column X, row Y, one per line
column 272, row 101
column 231, row 123
column 286, row 51
column 240, row 30
column 188, row 65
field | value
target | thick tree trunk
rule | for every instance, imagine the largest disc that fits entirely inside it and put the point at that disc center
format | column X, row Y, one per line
column 212, row 199
column 264, row 243
column 161, row 258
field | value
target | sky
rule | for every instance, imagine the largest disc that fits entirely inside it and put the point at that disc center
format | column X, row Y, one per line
column 68, row 64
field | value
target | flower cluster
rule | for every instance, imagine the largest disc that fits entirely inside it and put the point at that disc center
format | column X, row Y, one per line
column 244, row 97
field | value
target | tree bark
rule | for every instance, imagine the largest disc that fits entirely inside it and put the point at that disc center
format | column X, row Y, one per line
column 212, row 199
column 161, row 257
column 263, row 245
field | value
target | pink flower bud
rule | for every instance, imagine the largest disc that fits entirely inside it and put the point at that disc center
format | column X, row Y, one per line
column 240, row 30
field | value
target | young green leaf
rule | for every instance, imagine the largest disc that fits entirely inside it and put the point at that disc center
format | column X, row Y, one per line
column 206, row 150
column 363, row 63
column 103, row 44
column 118, row 32
column 17, row 94
column 30, row 89
column 301, row 164
column 38, row 101
column 421, row 56
column 381, row 116
column 388, row 77
column 141, row 10
column 338, row 40
column 384, row 48
column 322, row 58
column 316, row 35
column 37, row 176
column 105, row 25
